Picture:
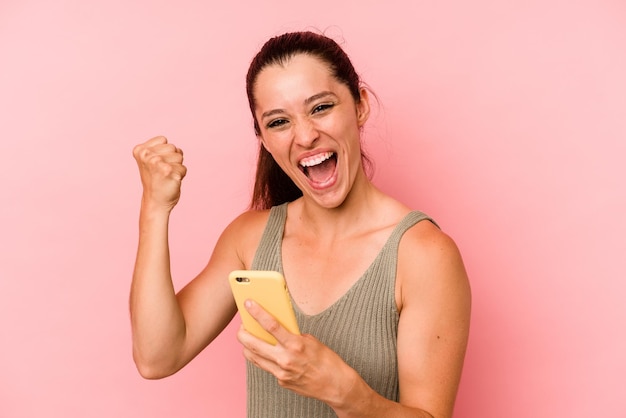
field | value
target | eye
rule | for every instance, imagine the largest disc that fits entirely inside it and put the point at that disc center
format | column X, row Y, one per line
column 322, row 107
column 276, row 123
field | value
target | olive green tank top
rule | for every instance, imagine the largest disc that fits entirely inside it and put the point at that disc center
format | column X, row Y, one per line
column 362, row 327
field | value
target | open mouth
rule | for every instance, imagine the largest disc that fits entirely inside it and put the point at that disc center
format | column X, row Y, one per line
column 319, row 168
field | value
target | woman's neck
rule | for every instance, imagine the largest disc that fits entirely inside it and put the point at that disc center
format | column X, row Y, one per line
column 365, row 206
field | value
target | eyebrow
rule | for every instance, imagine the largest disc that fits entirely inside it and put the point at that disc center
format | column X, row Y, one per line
column 307, row 101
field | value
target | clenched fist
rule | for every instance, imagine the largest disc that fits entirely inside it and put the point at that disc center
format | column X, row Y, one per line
column 162, row 171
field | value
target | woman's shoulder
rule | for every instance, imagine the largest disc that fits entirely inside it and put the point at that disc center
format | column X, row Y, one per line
column 250, row 218
column 426, row 241
column 244, row 233
column 428, row 259
column 248, row 223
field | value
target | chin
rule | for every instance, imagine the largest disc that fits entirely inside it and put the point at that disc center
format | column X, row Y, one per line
column 329, row 201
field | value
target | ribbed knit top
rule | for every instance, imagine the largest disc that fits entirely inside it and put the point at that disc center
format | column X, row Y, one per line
column 362, row 326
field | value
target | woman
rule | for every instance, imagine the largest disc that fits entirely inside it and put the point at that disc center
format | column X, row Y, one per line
column 380, row 292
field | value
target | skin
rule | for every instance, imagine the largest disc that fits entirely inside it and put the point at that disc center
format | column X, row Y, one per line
column 332, row 234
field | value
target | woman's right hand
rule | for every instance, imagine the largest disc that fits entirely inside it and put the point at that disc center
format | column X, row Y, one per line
column 162, row 171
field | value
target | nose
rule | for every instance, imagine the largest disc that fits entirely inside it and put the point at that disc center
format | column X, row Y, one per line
column 305, row 133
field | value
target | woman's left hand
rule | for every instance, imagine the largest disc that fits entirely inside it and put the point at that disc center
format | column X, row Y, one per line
column 300, row 363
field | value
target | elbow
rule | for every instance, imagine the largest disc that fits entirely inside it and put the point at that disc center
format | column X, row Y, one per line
column 150, row 373
column 150, row 369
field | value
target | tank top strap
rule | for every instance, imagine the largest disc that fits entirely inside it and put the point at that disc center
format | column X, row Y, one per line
column 388, row 256
column 411, row 219
column 269, row 254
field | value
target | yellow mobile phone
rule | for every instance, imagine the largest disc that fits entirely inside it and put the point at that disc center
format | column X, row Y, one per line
column 268, row 289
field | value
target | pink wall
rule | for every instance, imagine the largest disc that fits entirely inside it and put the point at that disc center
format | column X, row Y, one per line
column 506, row 121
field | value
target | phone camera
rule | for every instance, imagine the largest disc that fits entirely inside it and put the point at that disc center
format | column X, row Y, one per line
column 242, row 279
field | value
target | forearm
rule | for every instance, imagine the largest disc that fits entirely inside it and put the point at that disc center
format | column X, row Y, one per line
column 157, row 322
column 361, row 401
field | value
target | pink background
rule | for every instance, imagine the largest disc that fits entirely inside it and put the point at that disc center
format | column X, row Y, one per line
column 504, row 120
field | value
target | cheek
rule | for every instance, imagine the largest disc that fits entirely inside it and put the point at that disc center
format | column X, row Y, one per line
column 348, row 128
column 339, row 125
column 275, row 143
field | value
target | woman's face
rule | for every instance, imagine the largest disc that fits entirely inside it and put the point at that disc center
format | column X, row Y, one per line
column 310, row 124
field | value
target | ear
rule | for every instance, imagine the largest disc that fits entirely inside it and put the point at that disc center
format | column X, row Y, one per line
column 363, row 108
column 260, row 138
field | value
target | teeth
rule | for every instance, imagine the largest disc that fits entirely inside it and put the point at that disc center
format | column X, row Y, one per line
column 318, row 159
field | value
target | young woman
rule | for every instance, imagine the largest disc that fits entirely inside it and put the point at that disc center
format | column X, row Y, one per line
column 380, row 292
